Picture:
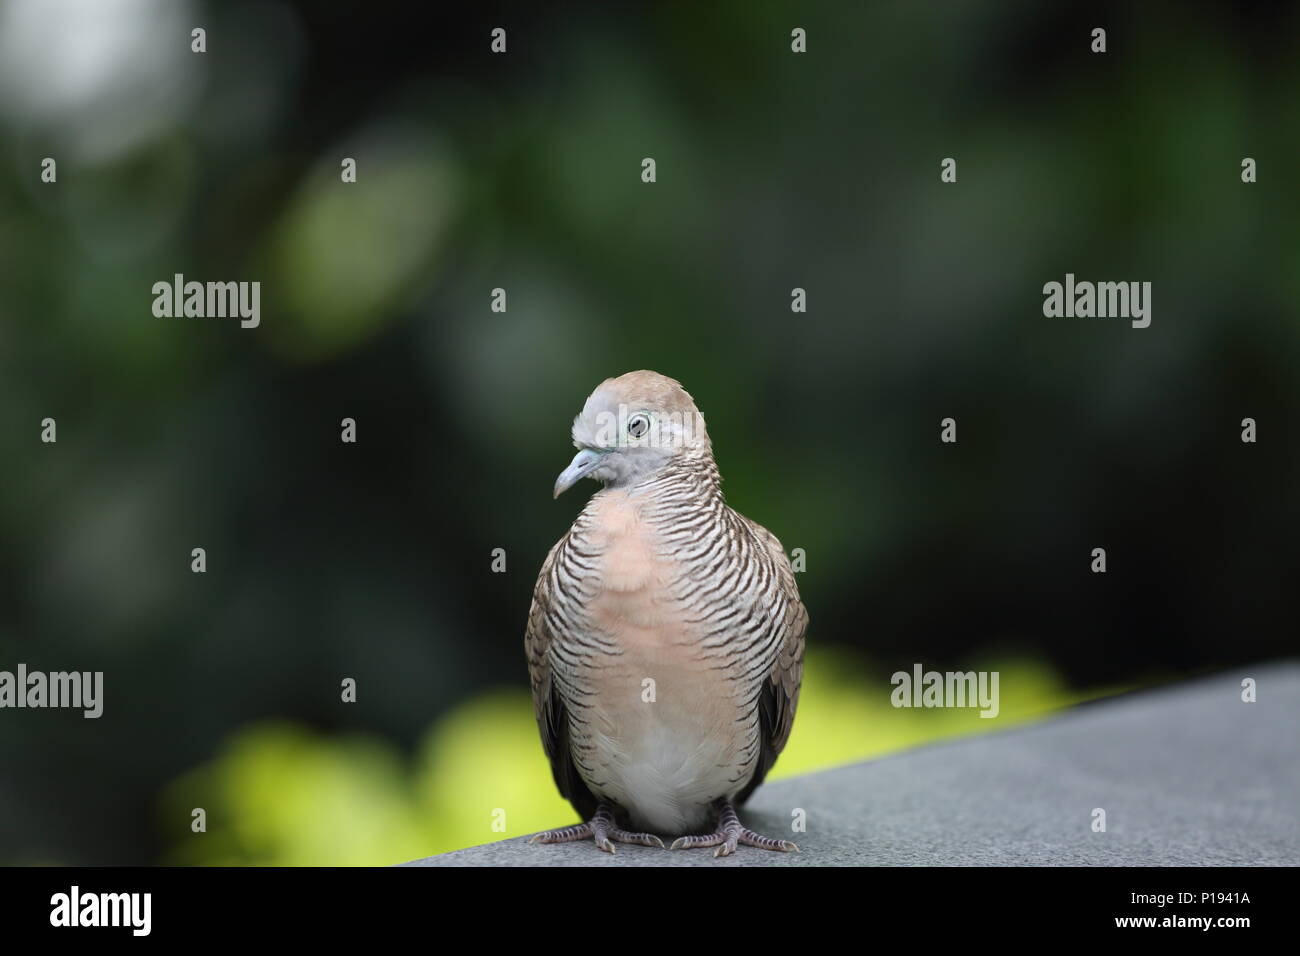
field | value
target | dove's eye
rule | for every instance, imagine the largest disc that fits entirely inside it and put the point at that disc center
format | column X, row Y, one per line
column 638, row 425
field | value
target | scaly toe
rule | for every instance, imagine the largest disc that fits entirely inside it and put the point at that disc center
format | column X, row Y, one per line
column 579, row 831
column 639, row 839
column 697, row 840
column 750, row 838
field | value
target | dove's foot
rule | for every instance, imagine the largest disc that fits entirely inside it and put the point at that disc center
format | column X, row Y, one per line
column 729, row 834
column 600, row 828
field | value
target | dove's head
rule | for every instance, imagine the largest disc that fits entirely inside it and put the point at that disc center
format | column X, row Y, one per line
column 632, row 426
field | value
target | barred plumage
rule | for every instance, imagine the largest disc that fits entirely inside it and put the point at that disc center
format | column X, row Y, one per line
column 665, row 639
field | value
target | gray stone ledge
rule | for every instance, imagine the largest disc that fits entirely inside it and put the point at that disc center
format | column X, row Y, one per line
column 1187, row 775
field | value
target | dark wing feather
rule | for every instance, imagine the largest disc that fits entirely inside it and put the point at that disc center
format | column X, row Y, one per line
column 548, row 704
column 780, row 695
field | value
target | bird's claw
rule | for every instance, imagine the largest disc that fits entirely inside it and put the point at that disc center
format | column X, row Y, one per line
column 602, row 830
column 729, row 835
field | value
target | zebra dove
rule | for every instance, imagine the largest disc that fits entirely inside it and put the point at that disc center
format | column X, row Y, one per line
column 666, row 635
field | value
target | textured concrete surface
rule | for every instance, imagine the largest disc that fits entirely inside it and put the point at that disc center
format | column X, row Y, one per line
column 1187, row 775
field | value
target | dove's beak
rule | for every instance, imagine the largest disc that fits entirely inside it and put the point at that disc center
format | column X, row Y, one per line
column 584, row 463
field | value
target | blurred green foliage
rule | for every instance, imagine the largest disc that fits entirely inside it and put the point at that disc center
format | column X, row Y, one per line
column 280, row 794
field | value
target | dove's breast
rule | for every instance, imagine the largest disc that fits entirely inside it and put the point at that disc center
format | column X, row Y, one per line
column 660, row 722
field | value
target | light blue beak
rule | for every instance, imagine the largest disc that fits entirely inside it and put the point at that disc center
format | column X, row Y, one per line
column 584, row 463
